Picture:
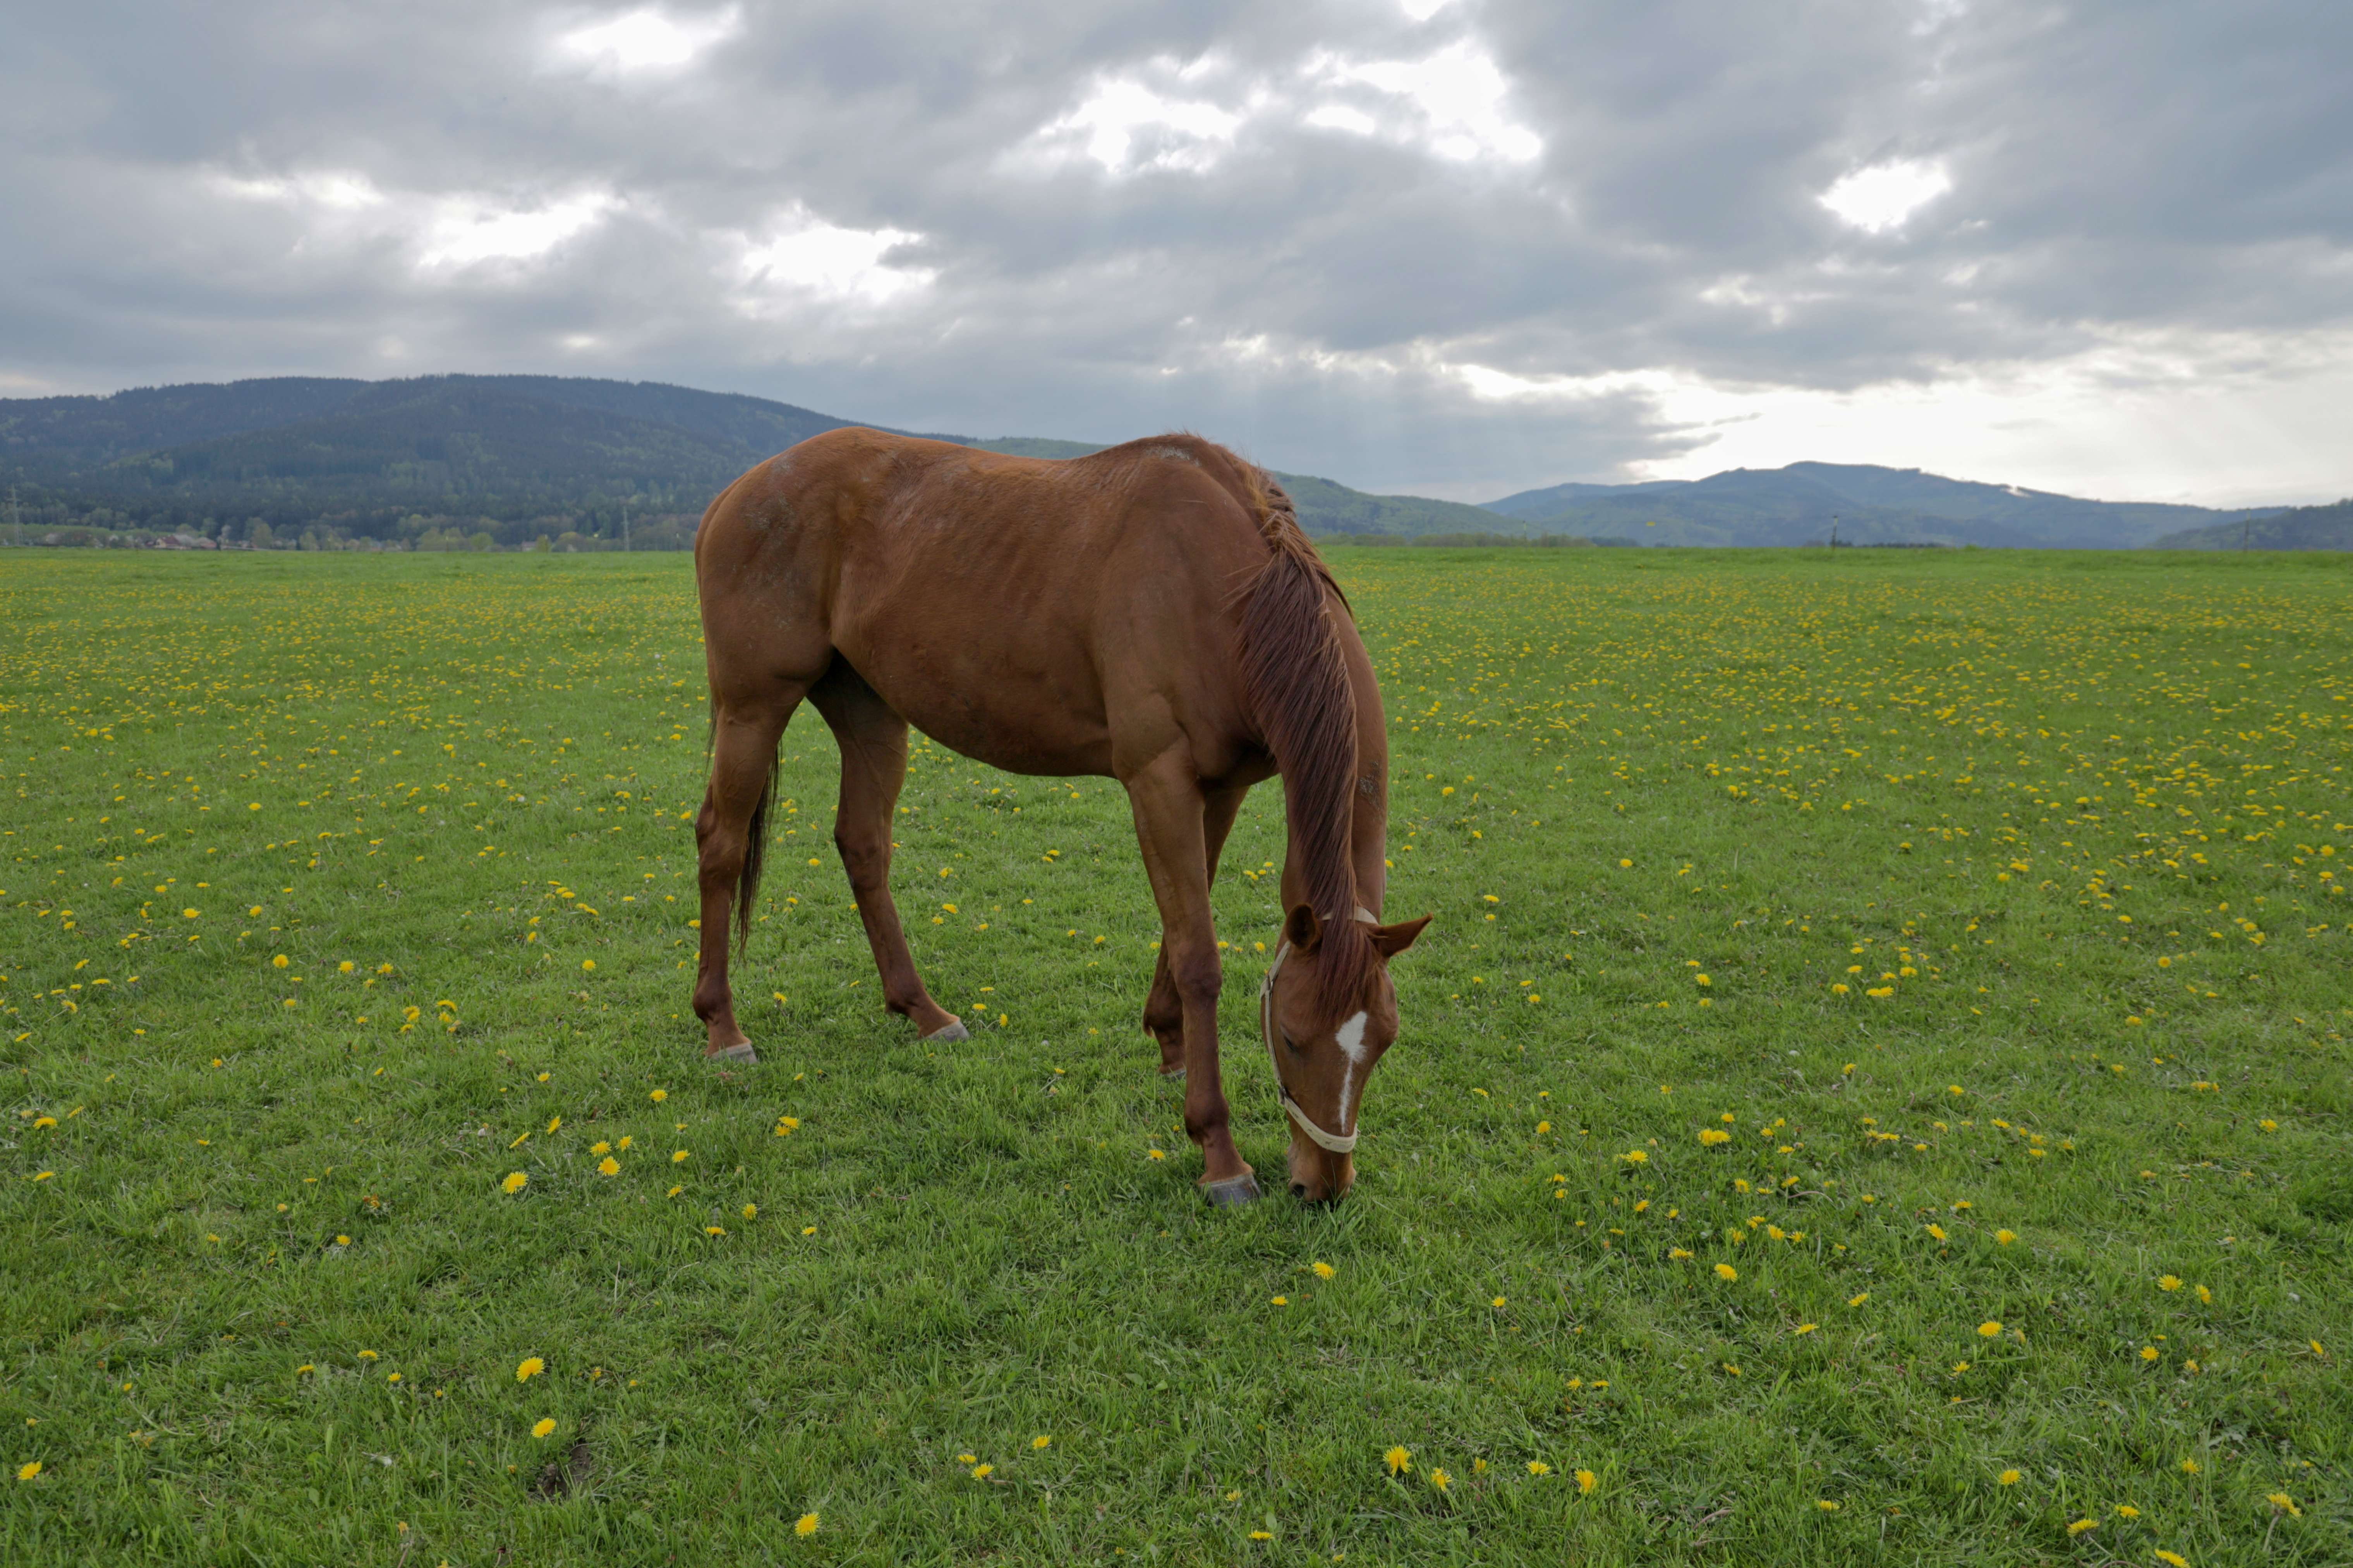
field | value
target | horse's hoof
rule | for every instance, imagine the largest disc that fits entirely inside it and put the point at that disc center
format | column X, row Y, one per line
column 1172, row 1075
column 737, row 1053
column 1232, row 1193
column 954, row 1031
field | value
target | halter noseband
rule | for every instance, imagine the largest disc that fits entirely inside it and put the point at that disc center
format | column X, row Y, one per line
column 1323, row 1140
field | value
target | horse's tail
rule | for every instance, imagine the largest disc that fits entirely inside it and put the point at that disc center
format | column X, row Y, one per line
column 756, row 855
column 755, row 834
column 1297, row 679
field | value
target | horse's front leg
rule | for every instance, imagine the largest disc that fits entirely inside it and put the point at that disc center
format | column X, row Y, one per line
column 1170, row 812
column 1164, row 1010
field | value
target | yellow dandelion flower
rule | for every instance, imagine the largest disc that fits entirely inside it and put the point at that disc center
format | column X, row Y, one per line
column 714, row 1230
column 1042, row 1440
column 1440, row 1480
column 806, row 1524
column 1859, row 1299
column 2005, row 1236
column 1538, row 1467
column 1586, row 1481
column 1727, row 1272
column 982, row 1472
column 608, row 1166
column 28, row 1469
column 1825, row 1505
column 516, row 1180
column 678, row 1157
column 2008, row 1478
column 658, row 1094
column 2188, row 1467
column 1989, row 1329
column 2172, row 1558
column 2282, row 1500
column 1399, row 1460
column 588, row 964
column 2082, row 1525
column 531, row 1367
column 1323, row 1270
column 2168, row 1282
column 544, row 1426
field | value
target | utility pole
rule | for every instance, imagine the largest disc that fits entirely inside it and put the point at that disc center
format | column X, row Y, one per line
column 1833, row 530
column 624, row 526
column 15, row 518
column 2245, row 529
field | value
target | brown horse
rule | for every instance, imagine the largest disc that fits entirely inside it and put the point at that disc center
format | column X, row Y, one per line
column 1153, row 614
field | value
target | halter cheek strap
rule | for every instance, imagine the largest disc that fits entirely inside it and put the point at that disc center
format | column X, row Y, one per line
column 1316, row 1136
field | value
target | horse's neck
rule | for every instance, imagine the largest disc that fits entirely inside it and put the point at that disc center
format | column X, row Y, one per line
column 1360, row 850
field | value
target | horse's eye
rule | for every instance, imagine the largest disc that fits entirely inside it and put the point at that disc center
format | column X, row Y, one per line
column 1294, row 1046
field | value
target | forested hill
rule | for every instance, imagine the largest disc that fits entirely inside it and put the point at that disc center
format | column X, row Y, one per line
column 507, row 455
column 514, row 457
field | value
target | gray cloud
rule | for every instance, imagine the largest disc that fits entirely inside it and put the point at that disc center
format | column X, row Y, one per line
column 1501, row 245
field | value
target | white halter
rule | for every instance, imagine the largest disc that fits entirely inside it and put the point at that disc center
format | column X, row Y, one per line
column 1323, row 1140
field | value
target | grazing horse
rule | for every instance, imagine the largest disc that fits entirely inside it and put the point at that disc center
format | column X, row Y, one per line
column 1152, row 613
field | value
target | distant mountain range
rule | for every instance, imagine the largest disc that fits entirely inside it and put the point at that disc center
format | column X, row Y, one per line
column 1868, row 505
column 518, row 457
column 2298, row 528
column 512, row 456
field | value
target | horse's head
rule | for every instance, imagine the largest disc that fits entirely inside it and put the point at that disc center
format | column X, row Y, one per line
column 1329, row 1011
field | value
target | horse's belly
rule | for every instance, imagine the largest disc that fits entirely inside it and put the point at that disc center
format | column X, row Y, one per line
column 1023, row 715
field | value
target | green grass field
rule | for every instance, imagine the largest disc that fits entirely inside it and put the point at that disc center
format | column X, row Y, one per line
column 1876, row 1091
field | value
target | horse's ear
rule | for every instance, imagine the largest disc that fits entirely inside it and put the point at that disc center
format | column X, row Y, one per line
column 1390, row 941
column 1301, row 930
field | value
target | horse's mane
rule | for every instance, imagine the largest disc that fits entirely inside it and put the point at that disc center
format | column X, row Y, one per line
column 1297, row 682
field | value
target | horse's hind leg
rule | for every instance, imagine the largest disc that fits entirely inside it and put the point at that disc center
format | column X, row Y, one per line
column 1164, row 1010
column 726, row 834
column 873, row 740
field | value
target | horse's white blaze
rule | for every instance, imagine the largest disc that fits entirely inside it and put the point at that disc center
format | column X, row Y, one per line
column 1350, row 1038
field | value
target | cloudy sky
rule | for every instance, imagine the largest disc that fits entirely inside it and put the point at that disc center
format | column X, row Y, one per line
column 1452, row 246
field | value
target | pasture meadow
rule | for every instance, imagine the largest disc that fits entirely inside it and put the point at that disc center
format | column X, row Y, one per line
column 1876, row 1090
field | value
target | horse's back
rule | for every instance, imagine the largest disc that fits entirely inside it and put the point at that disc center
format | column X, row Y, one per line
column 1006, row 605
